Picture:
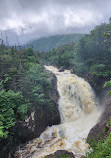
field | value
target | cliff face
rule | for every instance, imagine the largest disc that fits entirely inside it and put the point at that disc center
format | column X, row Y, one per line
column 102, row 128
column 35, row 124
column 39, row 119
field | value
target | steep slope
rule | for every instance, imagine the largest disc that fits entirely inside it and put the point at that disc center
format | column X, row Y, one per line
column 79, row 113
column 48, row 43
column 90, row 57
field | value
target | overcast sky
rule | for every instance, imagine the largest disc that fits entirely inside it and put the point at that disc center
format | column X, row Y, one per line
column 39, row 18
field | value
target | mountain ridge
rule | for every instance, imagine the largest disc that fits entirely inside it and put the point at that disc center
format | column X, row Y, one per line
column 48, row 43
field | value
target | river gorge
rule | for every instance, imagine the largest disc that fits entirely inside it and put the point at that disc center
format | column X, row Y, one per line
column 79, row 111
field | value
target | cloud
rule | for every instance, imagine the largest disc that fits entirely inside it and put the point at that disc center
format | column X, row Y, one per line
column 38, row 18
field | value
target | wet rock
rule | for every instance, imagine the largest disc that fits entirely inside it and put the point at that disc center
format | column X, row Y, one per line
column 54, row 93
column 60, row 153
column 61, row 134
column 61, row 69
column 35, row 124
column 73, row 70
column 102, row 128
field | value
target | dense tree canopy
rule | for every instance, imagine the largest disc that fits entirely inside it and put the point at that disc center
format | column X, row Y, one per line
column 90, row 56
column 23, row 84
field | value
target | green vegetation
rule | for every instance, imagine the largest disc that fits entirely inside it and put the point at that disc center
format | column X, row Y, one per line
column 23, row 85
column 102, row 149
column 12, row 107
column 108, row 85
column 48, row 43
column 61, row 57
column 90, row 57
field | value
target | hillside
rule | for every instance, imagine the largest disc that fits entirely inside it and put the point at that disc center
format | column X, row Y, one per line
column 89, row 57
column 29, row 97
column 48, row 43
column 25, row 86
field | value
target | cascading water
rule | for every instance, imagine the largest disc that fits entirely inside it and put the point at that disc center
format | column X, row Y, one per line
column 79, row 113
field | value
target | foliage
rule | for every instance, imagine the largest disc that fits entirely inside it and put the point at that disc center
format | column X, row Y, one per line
column 88, row 57
column 46, row 44
column 12, row 107
column 101, row 149
column 108, row 85
column 61, row 56
column 33, row 85
column 23, row 86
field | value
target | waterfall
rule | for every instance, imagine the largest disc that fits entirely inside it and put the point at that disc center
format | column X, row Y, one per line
column 79, row 113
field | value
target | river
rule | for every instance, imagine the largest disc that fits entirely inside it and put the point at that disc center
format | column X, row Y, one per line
column 79, row 112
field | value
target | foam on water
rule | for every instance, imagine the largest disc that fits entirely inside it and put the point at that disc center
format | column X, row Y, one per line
column 79, row 113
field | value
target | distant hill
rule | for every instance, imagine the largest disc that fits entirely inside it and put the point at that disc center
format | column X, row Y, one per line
column 48, row 43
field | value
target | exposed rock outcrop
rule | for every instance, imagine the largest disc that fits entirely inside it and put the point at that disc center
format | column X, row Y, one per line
column 60, row 153
column 35, row 124
column 61, row 69
column 102, row 128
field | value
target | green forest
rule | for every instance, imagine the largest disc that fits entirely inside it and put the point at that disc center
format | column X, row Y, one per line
column 90, row 57
column 24, row 82
column 48, row 43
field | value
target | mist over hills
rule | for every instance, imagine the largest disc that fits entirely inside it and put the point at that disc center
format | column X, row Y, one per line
column 48, row 43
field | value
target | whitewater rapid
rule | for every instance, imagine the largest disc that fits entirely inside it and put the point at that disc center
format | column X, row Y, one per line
column 79, row 112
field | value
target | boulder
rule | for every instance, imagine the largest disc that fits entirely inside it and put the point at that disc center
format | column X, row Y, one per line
column 61, row 69
column 60, row 153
